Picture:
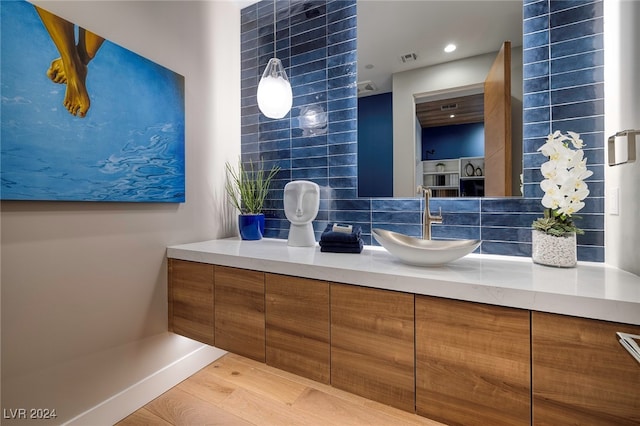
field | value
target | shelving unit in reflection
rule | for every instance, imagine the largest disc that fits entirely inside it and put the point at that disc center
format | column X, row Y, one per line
column 457, row 177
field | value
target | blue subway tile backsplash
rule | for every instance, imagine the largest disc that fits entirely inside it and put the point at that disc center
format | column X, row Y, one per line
column 534, row 9
column 565, row 12
column 563, row 89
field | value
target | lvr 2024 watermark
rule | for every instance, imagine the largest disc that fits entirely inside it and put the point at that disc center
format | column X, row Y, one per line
column 29, row 413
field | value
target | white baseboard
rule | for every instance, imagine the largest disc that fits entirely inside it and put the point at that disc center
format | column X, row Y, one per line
column 137, row 395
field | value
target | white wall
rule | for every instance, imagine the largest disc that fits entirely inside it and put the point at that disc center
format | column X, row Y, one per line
column 622, row 111
column 407, row 85
column 84, row 288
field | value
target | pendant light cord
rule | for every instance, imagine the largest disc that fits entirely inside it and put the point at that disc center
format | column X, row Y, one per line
column 274, row 28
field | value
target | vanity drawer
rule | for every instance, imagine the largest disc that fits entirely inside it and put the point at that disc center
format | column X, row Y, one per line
column 297, row 326
column 372, row 344
column 472, row 362
column 239, row 312
column 581, row 373
column 191, row 300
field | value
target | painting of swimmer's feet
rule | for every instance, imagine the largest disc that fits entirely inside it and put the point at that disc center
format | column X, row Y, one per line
column 84, row 119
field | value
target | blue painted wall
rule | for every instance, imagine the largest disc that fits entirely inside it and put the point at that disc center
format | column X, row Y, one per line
column 563, row 90
column 446, row 142
column 375, row 146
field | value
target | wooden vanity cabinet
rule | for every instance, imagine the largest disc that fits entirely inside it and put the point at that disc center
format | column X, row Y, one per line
column 372, row 344
column 297, row 326
column 190, row 295
column 472, row 363
column 239, row 312
column 581, row 373
column 452, row 361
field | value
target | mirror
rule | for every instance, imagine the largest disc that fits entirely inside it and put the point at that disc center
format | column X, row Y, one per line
column 401, row 63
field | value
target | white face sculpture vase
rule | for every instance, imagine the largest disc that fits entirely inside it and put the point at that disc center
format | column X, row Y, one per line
column 301, row 205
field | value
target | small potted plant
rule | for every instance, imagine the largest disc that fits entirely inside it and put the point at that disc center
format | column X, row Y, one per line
column 247, row 188
column 554, row 235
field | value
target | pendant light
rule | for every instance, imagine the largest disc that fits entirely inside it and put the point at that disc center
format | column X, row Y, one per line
column 274, row 90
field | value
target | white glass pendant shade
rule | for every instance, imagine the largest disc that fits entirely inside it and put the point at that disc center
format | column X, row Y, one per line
column 275, row 97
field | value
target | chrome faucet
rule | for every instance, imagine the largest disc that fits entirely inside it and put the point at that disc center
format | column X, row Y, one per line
column 427, row 218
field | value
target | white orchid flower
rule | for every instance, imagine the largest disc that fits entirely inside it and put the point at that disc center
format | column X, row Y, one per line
column 553, row 196
column 580, row 185
column 549, row 170
column 551, row 202
column 576, row 157
column 575, row 140
column 551, row 147
column 581, row 172
column 570, row 208
column 579, row 195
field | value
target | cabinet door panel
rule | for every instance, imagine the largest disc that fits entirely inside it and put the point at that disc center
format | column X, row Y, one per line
column 581, row 373
column 297, row 321
column 472, row 362
column 239, row 312
column 191, row 300
column 372, row 344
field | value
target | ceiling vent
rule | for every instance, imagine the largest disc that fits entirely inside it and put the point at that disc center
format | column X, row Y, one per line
column 448, row 107
column 365, row 87
column 409, row 57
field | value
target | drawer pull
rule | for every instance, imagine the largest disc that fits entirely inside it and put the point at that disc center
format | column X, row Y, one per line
column 628, row 341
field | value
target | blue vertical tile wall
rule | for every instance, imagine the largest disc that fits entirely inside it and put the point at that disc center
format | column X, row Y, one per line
column 316, row 41
column 564, row 90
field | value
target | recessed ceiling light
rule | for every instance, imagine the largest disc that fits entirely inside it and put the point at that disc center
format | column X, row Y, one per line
column 369, row 66
column 452, row 116
column 450, row 48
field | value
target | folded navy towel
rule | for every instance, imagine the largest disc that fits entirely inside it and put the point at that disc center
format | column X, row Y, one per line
column 340, row 243
column 330, row 235
column 341, row 247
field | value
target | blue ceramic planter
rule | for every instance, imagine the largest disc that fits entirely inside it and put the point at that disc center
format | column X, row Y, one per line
column 251, row 226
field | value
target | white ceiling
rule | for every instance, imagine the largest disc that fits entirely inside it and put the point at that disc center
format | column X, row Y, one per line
column 388, row 29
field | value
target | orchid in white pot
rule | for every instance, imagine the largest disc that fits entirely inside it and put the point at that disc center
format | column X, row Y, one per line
column 564, row 193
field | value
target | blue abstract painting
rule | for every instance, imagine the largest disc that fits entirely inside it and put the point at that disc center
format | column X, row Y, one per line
column 110, row 127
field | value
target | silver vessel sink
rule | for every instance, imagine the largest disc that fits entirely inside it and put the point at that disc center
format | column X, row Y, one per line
column 419, row 252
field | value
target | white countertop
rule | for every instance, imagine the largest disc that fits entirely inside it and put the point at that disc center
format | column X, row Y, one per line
column 590, row 290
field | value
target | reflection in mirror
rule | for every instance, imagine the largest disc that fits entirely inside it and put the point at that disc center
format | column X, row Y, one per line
column 451, row 142
column 402, row 68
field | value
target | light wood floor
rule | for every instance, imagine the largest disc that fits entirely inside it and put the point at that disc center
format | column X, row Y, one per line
column 238, row 391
